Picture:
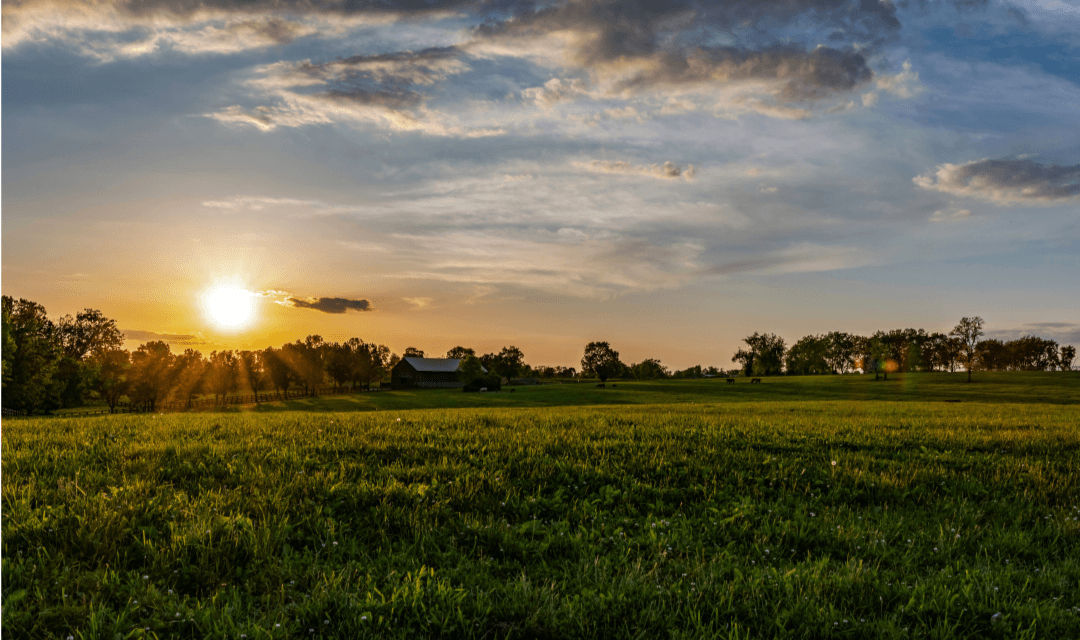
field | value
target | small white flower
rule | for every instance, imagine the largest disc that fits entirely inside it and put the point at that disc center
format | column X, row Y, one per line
column 277, row 625
column 146, row 577
column 834, row 464
column 365, row 617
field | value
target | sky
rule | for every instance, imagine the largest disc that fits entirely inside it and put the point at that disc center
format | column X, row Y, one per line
column 669, row 177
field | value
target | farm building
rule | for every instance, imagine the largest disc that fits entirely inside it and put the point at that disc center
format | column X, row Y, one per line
column 430, row 373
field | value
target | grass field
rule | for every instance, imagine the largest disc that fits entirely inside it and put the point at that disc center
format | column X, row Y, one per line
column 693, row 510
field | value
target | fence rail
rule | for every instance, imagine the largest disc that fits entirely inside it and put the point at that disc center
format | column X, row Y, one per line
column 205, row 403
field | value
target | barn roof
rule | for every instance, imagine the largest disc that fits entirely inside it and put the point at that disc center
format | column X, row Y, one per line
column 434, row 365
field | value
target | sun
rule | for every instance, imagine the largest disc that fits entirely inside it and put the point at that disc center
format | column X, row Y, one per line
column 229, row 306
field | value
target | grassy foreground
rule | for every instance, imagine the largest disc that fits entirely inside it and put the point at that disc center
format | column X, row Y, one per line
column 707, row 520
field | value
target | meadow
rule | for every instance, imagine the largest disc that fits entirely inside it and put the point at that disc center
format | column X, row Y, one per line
column 800, row 508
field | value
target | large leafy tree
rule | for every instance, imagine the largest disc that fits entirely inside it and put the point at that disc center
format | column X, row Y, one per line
column 649, row 369
column 151, row 373
column 840, row 351
column 32, row 353
column 507, row 363
column 600, row 360
column 81, row 337
column 88, row 333
column 189, row 375
column 1068, row 354
column 470, row 369
column 112, row 380
column 764, row 355
column 809, row 356
column 278, row 368
column 339, row 362
column 253, row 369
column 968, row 332
column 223, row 374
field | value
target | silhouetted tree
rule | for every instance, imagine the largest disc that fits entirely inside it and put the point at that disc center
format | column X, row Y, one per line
column 600, row 360
column 968, row 331
column 413, row 352
column 151, row 369
column 253, row 369
column 223, row 374
column 340, row 363
column 189, row 371
column 808, row 356
column 650, row 369
column 279, row 369
column 507, row 363
column 1068, row 354
column 460, row 352
column 765, row 356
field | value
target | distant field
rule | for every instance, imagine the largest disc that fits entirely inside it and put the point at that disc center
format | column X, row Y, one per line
column 707, row 511
column 990, row 387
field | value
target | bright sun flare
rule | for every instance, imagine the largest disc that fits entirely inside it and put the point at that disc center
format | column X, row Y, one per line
column 229, row 306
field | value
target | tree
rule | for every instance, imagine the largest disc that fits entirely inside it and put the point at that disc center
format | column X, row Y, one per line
column 223, row 374
column 470, row 369
column 508, row 363
column 600, row 360
column 189, row 371
column 765, row 357
column 306, row 359
column 111, row 382
column 1068, row 354
column 648, row 369
column 254, row 370
column 968, row 331
column 992, row 355
column 32, row 383
column 371, row 362
column 413, row 352
column 339, row 362
column 877, row 356
column 460, row 353
column 88, row 333
column 278, row 368
column 809, row 356
column 151, row 369
column 840, row 351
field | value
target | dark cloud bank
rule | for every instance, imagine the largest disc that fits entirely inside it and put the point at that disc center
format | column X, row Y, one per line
column 330, row 305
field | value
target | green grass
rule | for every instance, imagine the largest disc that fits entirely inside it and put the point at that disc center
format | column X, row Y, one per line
column 716, row 512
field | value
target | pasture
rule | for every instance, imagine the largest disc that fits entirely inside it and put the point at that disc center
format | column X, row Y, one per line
column 849, row 509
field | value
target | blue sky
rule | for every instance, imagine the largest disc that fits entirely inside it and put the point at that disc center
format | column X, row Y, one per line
column 667, row 176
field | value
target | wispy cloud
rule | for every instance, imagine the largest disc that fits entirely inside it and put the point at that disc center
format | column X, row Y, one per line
column 667, row 171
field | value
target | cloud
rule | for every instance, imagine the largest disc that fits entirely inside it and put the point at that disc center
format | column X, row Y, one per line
column 1063, row 332
column 667, row 171
column 946, row 215
column 329, row 305
column 376, row 89
column 104, row 28
column 326, row 305
column 1005, row 180
column 629, row 47
column 555, row 91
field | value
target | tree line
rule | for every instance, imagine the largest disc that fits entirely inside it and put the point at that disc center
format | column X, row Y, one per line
column 900, row 351
column 50, row 365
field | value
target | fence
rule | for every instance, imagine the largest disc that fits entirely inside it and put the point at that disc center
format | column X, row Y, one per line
column 208, row 403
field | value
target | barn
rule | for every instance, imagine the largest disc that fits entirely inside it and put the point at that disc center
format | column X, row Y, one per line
column 426, row 373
